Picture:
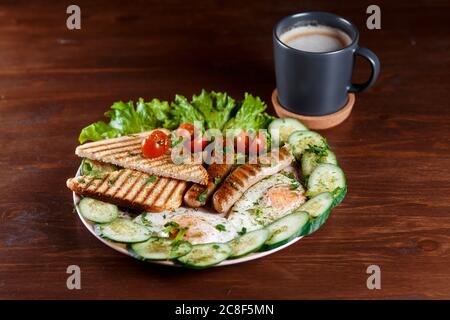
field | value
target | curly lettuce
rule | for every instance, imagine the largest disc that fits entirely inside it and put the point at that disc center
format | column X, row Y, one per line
column 126, row 119
column 183, row 111
column 215, row 107
column 214, row 110
column 250, row 115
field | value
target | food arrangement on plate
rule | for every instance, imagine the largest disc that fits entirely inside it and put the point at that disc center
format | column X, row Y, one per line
column 205, row 182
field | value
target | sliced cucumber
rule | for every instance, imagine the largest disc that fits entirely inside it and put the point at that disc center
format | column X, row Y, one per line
column 286, row 228
column 339, row 195
column 299, row 141
column 160, row 249
column 310, row 160
column 96, row 168
column 328, row 178
column 248, row 243
column 280, row 129
column 319, row 208
column 123, row 230
column 206, row 255
column 98, row 211
column 318, row 205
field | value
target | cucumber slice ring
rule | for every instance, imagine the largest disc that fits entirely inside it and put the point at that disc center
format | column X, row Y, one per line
column 328, row 178
column 318, row 208
column 286, row 228
column 318, row 205
column 98, row 211
column 157, row 248
column 248, row 243
column 123, row 230
column 206, row 255
column 299, row 141
column 310, row 161
column 281, row 128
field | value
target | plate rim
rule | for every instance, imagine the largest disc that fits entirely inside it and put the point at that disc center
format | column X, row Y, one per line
column 122, row 247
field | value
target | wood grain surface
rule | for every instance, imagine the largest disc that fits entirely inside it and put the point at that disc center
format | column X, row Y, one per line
column 394, row 148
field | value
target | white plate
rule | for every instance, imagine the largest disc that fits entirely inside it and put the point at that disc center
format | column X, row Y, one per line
column 123, row 247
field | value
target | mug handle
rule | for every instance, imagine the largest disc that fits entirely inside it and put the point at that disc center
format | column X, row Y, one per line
column 375, row 63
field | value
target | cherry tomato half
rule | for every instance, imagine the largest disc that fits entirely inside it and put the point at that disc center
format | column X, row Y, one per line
column 258, row 144
column 242, row 142
column 155, row 145
column 198, row 145
column 185, row 130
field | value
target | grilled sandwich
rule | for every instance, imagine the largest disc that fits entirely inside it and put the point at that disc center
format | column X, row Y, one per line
column 126, row 152
column 133, row 189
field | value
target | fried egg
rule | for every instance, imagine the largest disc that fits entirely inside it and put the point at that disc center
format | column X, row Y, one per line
column 266, row 201
column 198, row 227
column 263, row 203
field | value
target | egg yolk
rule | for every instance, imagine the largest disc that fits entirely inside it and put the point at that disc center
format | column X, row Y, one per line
column 283, row 197
column 197, row 231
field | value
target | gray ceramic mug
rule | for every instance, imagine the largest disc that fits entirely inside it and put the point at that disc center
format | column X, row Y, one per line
column 317, row 83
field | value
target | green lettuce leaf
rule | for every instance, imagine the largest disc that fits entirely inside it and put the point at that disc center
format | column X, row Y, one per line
column 182, row 111
column 98, row 131
column 161, row 110
column 215, row 107
column 251, row 115
column 125, row 119
column 211, row 109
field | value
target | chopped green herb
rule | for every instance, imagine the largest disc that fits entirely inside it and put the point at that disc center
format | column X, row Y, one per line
column 112, row 180
column 177, row 243
column 216, row 181
column 172, row 224
column 144, row 221
column 256, row 211
column 243, row 231
column 98, row 175
column 88, row 166
column 294, row 185
column 221, row 227
column 202, row 196
column 216, row 246
column 152, row 179
column 180, row 234
column 176, row 141
column 318, row 150
column 288, row 174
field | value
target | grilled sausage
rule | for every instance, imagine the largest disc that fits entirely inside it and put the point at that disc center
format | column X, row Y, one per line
column 198, row 194
column 244, row 177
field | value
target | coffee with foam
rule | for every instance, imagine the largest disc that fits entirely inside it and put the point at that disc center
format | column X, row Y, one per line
column 315, row 38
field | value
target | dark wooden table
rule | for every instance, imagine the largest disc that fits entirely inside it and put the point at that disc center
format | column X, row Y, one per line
column 395, row 147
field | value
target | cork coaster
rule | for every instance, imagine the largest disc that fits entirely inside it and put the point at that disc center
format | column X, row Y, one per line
column 316, row 122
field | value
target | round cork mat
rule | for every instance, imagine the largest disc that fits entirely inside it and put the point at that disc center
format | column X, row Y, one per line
column 316, row 122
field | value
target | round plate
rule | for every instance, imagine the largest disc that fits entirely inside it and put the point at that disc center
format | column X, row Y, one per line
column 123, row 247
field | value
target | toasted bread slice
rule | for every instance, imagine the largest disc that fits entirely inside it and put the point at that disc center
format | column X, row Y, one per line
column 133, row 189
column 126, row 152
